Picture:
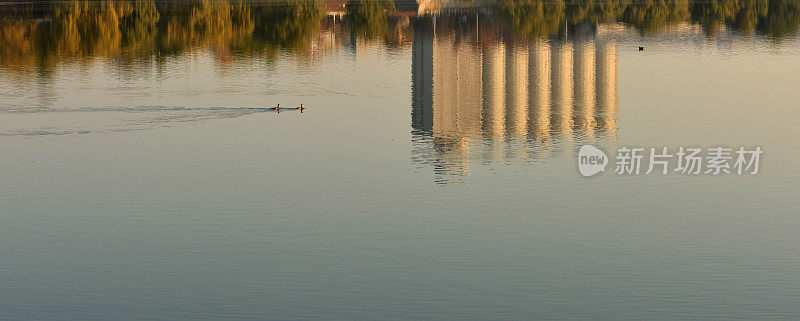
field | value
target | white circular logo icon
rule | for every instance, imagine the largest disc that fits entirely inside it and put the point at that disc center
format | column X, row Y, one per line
column 591, row 160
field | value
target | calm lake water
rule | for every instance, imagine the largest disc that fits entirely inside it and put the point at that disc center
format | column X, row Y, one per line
column 431, row 176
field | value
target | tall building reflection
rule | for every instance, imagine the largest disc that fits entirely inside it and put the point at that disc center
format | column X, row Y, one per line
column 481, row 97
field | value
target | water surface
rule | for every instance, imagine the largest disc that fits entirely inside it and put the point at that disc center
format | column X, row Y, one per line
column 431, row 176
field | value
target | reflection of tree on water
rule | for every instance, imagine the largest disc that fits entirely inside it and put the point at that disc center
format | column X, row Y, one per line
column 52, row 33
column 37, row 33
column 544, row 17
column 368, row 18
column 507, row 100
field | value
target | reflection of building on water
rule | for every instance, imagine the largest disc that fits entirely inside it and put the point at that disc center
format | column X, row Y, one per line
column 607, row 88
column 499, row 100
column 561, row 88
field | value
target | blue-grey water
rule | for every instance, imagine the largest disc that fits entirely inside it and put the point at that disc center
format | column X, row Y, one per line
column 431, row 176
